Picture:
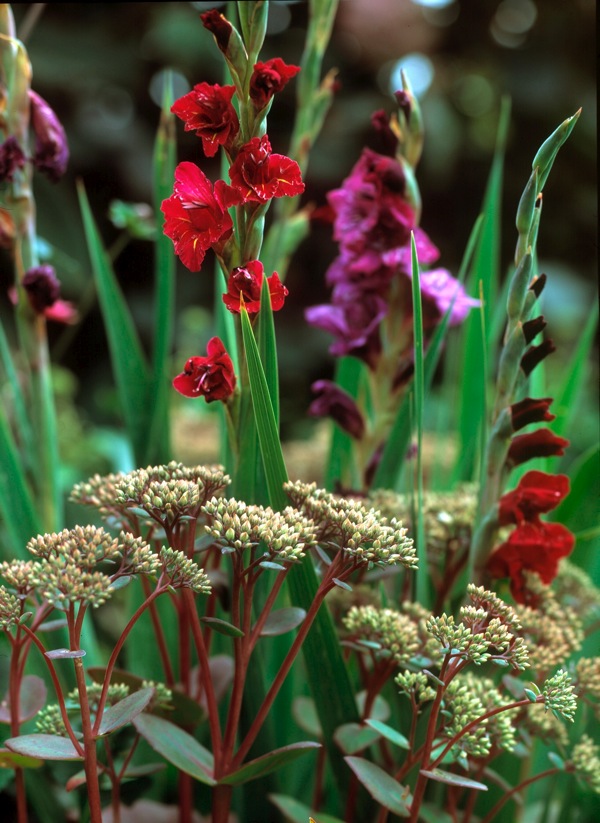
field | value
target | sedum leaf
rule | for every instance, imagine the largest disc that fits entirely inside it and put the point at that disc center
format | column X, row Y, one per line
column 382, row 788
column 176, row 746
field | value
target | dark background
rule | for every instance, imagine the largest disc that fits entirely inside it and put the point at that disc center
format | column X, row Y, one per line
column 99, row 66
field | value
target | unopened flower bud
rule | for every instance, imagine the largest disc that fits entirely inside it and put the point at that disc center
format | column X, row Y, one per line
column 12, row 158
column 42, row 287
column 51, row 148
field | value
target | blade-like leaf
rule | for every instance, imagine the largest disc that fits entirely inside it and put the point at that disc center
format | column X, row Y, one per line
column 128, row 362
column 382, row 788
column 43, row 746
column 264, row 415
column 268, row 763
column 16, row 506
column 125, row 710
column 164, row 162
column 453, row 779
column 176, row 746
column 484, row 278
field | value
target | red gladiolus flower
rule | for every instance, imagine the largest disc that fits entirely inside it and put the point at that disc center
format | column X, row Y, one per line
column 535, row 355
column 244, row 287
column 211, row 377
column 535, row 547
column 208, row 111
column 260, row 175
column 269, row 78
column 540, row 443
column 196, row 216
column 530, row 410
column 537, row 492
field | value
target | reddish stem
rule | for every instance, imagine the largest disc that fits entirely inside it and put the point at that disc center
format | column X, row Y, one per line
column 506, row 797
column 160, row 637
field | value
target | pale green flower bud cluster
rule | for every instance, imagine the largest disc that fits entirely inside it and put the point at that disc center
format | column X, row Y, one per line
column 183, row 573
column 585, row 758
column 138, row 556
column 100, row 492
column 49, row 721
column 163, row 696
column 62, row 582
column 84, row 546
column 239, row 526
column 363, row 534
column 115, row 693
column 468, row 698
column 386, row 631
column 587, row 671
column 170, row 492
column 479, row 637
column 552, row 632
column 10, row 609
column 21, row 575
column 448, row 518
column 416, row 685
column 575, row 589
column 544, row 725
column 559, row 695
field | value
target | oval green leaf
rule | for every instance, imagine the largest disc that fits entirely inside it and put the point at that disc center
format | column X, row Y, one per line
column 43, row 746
column 353, row 737
column 453, row 779
column 297, row 812
column 268, row 763
column 382, row 788
column 124, row 711
column 283, row 620
column 32, row 698
column 389, row 733
column 222, row 626
column 305, row 715
column 12, row 760
column 176, row 746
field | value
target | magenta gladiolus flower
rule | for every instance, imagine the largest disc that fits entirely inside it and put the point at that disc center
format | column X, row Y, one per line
column 211, row 377
column 208, row 111
column 51, row 149
column 196, row 214
column 332, row 401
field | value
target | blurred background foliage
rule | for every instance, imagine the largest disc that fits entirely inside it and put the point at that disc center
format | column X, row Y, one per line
column 101, row 67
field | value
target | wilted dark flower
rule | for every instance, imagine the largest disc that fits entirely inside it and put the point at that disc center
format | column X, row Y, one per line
column 12, row 158
column 42, row 287
column 332, row 401
column 51, row 149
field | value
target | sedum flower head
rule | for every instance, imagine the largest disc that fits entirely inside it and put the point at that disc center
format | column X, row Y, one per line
column 166, row 492
column 544, row 725
column 239, row 526
column 587, row 671
column 49, row 721
column 393, row 633
column 585, row 759
column 172, row 491
column 63, row 583
column 575, row 589
column 20, row 575
column 138, row 556
column 559, row 695
column 83, row 546
column 10, row 609
column 363, row 534
column 468, row 698
column 163, row 696
column 416, row 686
column 182, row 572
column 552, row 632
